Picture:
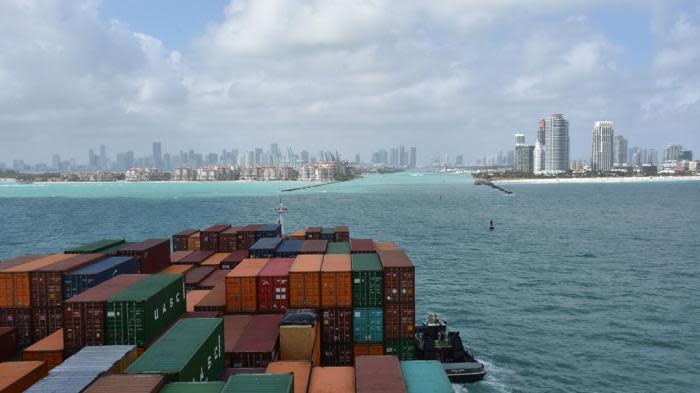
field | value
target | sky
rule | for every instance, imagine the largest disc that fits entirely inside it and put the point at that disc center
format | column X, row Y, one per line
column 450, row 77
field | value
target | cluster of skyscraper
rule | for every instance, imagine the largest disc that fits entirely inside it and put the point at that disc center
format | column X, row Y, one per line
column 396, row 157
column 550, row 153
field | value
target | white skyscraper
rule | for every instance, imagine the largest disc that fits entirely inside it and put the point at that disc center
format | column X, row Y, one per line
column 602, row 148
column 556, row 144
column 538, row 158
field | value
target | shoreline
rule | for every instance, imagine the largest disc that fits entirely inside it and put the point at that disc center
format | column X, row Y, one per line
column 597, row 180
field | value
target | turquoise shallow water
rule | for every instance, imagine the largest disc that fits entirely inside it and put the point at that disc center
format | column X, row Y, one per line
column 581, row 288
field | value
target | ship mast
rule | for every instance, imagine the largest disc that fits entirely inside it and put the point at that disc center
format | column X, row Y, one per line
column 281, row 210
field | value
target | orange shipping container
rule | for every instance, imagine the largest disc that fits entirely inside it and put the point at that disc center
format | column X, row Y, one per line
column 177, row 255
column 176, row 269
column 332, row 380
column 241, row 286
column 336, row 281
column 300, row 368
column 299, row 234
column 14, row 281
column 305, row 282
column 193, row 242
column 215, row 260
column 48, row 349
column 368, row 349
column 194, row 297
column 385, row 246
column 16, row 377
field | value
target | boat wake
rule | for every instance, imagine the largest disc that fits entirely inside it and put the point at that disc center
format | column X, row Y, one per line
column 492, row 382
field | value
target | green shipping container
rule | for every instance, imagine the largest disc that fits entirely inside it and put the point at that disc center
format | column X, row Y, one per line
column 140, row 313
column 191, row 351
column 403, row 349
column 338, row 248
column 193, row 387
column 368, row 325
column 367, row 281
column 95, row 247
column 260, row 383
column 425, row 376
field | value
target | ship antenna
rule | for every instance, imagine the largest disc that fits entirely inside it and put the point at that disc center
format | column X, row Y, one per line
column 281, row 211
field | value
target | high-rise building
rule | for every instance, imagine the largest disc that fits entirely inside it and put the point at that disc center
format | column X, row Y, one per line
column 672, row 152
column 357, row 158
column 92, row 160
column 538, row 158
column 686, row 155
column 519, row 139
column 602, row 147
column 524, row 158
column 103, row 157
column 394, row 157
column 413, row 159
column 258, row 155
column 157, row 155
column 556, row 151
column 619, row 150
column 402, row 156
column 541, row 132
column 459, row 160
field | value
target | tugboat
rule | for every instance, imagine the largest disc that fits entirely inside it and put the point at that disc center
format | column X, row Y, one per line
column 434, row 342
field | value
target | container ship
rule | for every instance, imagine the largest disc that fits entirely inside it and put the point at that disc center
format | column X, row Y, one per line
column 222, row 309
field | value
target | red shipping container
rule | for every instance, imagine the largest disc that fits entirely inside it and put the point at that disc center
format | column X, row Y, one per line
column 313, row 233
column 214, row 301
column 195, row 275
column 195, row 258
column 83, row 314
column 228, row 240
column 8, row 342
column 180, row 239
column 273, row 286
column 20, row 319
column 177, row 255
column 152, row 255
column 399, row 277
column 234, row 327
column 362, row 246
column 337, row 355
column 259, row 343
column 46, row 283
column 233, row 259
column 399, row 321
column 314, row 247
column 211, row 237
column 378, row 374
column 246, row 236
column 49, row 350
column 342, row 233
column 336, row 325
column 46, row 320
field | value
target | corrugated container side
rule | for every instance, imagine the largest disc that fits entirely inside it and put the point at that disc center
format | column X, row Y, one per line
column 342, row 233
column 180, row 239
column 47, row 282
column 127, row 383
column 368, row 349
column 299, row 234
column 46, row 320
column 336, row 325
column 399, row 277
column 8, row 342
column 211, row 237
column 402, row 349
column 20, row 319
column 305, row 282
column 399, row 321
column 82, row 279
column 229, row 240
column 332, row 380
column 337, row 355
column 16, row 377
column 336, row 281
column 273, row 286
column 260, row 344
column 260, row 383
column 194, row 242
column 48, row 349
column 313, row 233
column 265, row 247
column 367, row 281
column 425, row 376
column 152, row 255
column 241, row 286
column 368, row 325
column 84, row 316
column 234, row 327
column 15, row 281
column 137, row 315
column 299, row 368
column 378, row 374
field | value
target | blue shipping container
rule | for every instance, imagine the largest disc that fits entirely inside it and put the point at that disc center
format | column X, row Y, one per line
column 91, row 275
column 425, row 376
column 268, row 230
column 368, row 325
column 289, row 248
column 265, row 247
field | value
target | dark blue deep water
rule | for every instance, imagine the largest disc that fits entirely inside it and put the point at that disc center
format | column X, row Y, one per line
column 581, row 287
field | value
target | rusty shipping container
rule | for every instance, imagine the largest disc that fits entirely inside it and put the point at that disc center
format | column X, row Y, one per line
column 234, row 327
column 210, row 237
column 195, row 275
column 336, row 281
column 195, row 258
column 242, row 286
column 336, row 325
column 378, row 374
column 46, row 283
column 215, row 260
column 337, row 355
column 180, row 239
column 246, row 236
column 362, row 246
column 273, row 286
column 214, row 301
column 8, row 342
column 194, row 297
column 305, row 281
column 399, row 277
column 175, row 256
column 313, row 233
column 342, row 233
column 20, row 319
column 314, row 247
column 367, row 349
column 194, row 242
column 214, row 279
column 21, row 260
column 84, row 314
column 299, row 234
column 16, row 377
column 229, row 240
column 127, row 383
column 46, row 320
column 260, row 342
column 399, row 321
column 15, row 286
column 151, row 255
column 48, row 349
column 332, row 380
column 233, row 259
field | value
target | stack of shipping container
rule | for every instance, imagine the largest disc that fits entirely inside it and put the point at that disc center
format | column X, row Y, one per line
column 399, row 304
column 336, row 310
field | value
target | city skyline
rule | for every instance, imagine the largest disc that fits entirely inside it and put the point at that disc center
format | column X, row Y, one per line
column 210, row 75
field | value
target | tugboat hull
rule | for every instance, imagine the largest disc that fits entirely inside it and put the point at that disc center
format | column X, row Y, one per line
column 464, row 372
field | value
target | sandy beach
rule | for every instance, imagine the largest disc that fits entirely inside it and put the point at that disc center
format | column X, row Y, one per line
column 598, row 180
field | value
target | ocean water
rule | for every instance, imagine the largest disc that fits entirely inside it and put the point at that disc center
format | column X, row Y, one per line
column 581, row 287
